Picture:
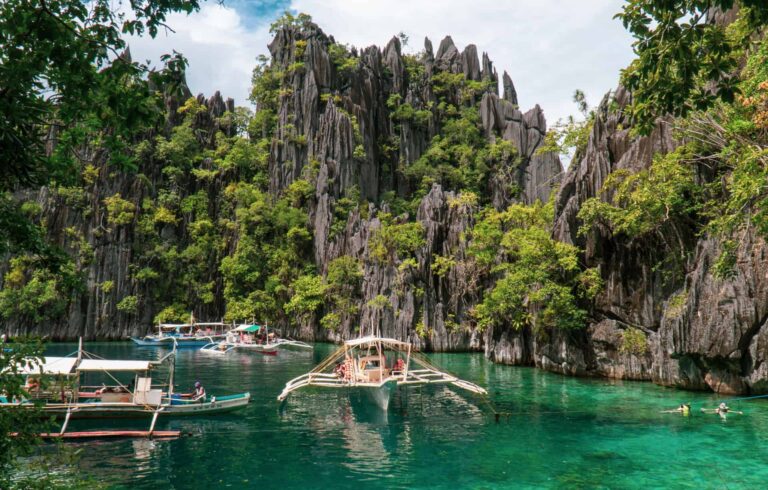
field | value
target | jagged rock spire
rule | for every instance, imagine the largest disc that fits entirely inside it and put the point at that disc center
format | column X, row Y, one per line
column 510, row 94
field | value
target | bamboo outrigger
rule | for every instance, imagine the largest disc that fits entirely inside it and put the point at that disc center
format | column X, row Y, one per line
column 253, row 338
column 376, row 366
column 58, row 384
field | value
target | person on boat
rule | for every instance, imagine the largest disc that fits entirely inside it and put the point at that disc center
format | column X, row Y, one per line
column 199, row 392
column 399, row 366
column 349, row 366
column 339, row 370
column 33, row 384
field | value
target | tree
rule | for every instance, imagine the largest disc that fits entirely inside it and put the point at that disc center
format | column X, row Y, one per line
column 66, row 80
column 57, row 59
column 684, row 62
column 67, row 83
column 26, row 423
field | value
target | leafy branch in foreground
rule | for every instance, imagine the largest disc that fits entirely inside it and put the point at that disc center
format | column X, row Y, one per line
column 684, row 61
column 26, row 423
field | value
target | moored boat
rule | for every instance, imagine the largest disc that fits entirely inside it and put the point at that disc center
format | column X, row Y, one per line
column 376, row 367
column 193, row 334
column 253, row 338
column 59, row 387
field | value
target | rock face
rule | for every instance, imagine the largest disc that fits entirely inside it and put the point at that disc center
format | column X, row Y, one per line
column 356, row 115
column 335, row 129
column 702, row 333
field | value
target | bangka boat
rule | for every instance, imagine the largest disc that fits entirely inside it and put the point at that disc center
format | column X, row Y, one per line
column 254, row 338
column 375, row 366
column 183, row 335
column 58, row 388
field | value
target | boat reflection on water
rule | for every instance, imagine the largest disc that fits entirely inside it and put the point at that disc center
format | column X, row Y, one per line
column 373, row 441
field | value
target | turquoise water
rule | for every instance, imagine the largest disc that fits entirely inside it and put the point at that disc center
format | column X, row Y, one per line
column 561, row 432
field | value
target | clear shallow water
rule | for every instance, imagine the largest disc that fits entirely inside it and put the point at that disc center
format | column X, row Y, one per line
column 560, row 433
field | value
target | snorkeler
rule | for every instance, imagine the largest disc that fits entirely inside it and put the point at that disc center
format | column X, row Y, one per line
column 684, row 409
column 722, row 410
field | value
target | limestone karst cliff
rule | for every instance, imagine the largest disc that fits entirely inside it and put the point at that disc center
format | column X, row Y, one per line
column 340, row 123
column 346, row 146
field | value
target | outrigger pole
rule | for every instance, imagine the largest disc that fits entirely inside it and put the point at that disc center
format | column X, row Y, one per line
column 77, row 389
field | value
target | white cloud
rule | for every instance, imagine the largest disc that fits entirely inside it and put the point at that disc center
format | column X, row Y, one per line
column 549, row 47
column 220, row 48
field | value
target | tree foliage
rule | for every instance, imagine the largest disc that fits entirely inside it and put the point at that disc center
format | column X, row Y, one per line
column 570, row 136
column 541, row 283
column 683, row 62
column 24, row 353
column 61, row 59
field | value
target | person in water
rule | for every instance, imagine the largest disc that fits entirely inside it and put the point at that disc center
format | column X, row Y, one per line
column 722, row 410
column 684, row 408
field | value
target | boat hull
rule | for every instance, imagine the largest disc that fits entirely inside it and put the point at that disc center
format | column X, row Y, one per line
column 213, row 406
column 168, row 342
column 380, row 395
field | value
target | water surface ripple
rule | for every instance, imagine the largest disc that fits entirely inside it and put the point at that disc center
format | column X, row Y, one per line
column 557, row 432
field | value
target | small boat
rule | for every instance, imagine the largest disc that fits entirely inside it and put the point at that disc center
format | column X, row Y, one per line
column 253, row 338
column 183, row 335
column 376, row 367
column 136, row 389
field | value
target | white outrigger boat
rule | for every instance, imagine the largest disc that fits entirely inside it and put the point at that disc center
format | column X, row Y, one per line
column 183, row 334
column 375, row 366
column 57, row 387
column 254, row 338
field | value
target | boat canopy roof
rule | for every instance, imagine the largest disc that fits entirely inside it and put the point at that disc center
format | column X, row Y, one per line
column 248, row 328
column 109, row 365
column 371, row 339
column 52, row 365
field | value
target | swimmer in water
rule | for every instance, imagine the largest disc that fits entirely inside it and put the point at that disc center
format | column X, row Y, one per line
column 684, row 409
column 722, row 410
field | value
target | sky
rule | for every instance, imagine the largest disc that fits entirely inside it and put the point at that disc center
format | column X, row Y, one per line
column 549, row 47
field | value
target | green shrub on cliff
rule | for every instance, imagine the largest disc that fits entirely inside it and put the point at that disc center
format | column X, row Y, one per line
column 541, row 284
column 119, row 211
column 36, row 291
column 342, row 289
column 395, row 239
column 641, row 203
column 633, row 342
column 308, row 293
